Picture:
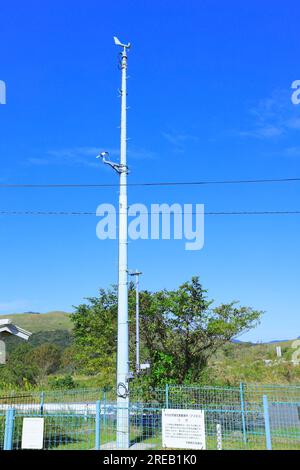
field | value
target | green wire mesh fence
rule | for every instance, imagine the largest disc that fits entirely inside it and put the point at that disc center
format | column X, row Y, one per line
column 86, row 419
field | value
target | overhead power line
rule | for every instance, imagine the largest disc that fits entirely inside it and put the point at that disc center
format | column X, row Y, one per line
column 155, row 183
column 93, row 213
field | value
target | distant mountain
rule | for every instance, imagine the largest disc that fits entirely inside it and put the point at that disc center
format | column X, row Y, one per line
column 34, row 323
column 277, row 341
column 280, row 340
column 52, row 327
column 264, row 342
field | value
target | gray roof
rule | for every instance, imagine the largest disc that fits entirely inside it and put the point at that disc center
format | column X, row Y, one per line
column 8, row 327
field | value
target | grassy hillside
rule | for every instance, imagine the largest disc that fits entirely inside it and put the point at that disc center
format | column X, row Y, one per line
column 35, row 323
column 52, row 327
column 249, row 362
column 235, row 362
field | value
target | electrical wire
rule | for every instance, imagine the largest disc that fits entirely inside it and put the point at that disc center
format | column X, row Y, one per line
column 158, row 183
column 90, row 213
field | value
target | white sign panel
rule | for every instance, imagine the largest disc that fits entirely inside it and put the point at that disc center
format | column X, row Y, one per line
column 32, row 433
column 183, row 429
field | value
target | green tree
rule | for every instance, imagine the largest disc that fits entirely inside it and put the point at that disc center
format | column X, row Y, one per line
column 47, row 357
column 68, row 360
column 182, row 330
column 65, row 383
column 95, row 326
column 20, row 371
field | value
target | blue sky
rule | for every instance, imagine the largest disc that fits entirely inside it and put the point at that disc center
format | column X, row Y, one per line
column 210, row 98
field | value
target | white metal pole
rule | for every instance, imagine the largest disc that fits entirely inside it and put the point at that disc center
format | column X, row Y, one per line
column 137, row 320
column 123, row 437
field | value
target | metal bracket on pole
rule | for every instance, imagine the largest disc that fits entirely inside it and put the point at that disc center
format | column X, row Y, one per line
column 118, row 167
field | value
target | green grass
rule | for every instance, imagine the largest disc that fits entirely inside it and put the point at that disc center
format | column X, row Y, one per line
column 51, row 321
column 245, row 362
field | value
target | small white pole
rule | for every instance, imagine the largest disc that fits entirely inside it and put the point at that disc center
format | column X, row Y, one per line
column 219, row 436
column 137, row 320
column 137, row 274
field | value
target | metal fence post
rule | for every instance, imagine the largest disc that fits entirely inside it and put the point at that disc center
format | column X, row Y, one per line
column 42, row 399
column 9, row 429
column 167, row 396
column 104, row 408
column 267, row 423
column 242, row 399
column 98, row 426
column 219, row 436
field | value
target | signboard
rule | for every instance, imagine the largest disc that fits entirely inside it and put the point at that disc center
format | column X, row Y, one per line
column 183, row 429
column 32, row 433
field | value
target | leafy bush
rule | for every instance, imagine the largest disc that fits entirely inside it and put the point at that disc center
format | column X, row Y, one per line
column 65, row 382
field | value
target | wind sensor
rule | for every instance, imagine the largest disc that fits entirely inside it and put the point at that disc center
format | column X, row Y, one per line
column 118, row 43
